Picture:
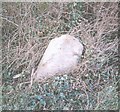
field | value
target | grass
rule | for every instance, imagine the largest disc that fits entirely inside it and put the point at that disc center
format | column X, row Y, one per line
column 27, row 29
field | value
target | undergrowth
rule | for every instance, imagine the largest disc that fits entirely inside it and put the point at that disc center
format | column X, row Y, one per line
column 27, row 28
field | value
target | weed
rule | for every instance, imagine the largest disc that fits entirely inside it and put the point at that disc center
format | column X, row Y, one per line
column 27, row 29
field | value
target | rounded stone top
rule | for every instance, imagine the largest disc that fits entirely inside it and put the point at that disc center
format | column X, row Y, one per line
column 61, row 55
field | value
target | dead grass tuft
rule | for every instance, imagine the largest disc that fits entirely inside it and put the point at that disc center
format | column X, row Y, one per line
column 27, row 29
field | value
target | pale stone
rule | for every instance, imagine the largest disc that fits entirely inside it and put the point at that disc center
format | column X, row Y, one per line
column 61, row 55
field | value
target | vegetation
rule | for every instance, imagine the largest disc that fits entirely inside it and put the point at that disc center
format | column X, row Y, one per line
column 27, row 29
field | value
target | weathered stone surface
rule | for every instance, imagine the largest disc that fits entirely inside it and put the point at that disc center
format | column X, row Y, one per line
column 61, row 55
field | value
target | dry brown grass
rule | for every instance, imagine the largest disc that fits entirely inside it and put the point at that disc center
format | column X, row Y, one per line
column 26, row 31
